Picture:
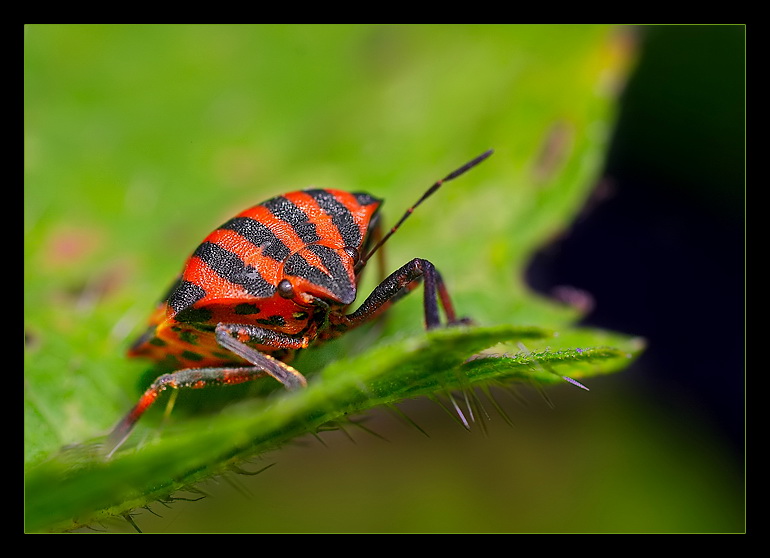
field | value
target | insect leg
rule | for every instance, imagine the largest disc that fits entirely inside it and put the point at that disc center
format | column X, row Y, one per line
column 233, row 337
column 227, row 336
column 186, row 378
column 401, row 282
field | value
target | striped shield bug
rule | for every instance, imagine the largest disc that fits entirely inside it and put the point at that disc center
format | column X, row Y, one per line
column 276, row 278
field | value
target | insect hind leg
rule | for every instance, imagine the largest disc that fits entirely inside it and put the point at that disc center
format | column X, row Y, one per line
column 193, row 378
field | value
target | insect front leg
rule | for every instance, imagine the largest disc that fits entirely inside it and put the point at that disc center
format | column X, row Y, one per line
column 401, row 282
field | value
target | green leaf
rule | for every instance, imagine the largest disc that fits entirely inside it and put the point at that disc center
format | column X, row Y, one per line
column 69, row 488
column 139, row 140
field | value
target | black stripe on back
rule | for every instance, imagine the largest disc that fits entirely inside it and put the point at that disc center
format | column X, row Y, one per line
column 337, row 281
column 366, row 199
column 294, row 216
column 331, row 260
column 259, row 235
column 340, row 215
column 229, row 266
column 184, row 294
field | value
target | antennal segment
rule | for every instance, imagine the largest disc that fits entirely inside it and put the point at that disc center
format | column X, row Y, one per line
column 429, row 192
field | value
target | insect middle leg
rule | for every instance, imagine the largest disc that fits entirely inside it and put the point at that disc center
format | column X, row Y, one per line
column 233, row 337
column 401, row 282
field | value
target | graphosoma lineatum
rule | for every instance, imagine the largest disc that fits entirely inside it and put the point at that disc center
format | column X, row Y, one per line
column 274, row 279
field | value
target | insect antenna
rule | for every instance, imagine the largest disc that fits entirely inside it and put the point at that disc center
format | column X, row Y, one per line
column 429, row 192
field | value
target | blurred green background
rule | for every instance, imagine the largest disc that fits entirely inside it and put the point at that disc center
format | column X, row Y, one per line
column 140, row 139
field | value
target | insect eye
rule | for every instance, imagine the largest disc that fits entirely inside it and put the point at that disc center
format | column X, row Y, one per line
column 352, row 252
column 285, row 288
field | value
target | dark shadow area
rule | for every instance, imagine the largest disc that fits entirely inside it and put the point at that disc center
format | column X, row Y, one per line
column 662, row 247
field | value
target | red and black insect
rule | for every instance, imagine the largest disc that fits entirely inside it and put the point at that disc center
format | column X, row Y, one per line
column 274, row 279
